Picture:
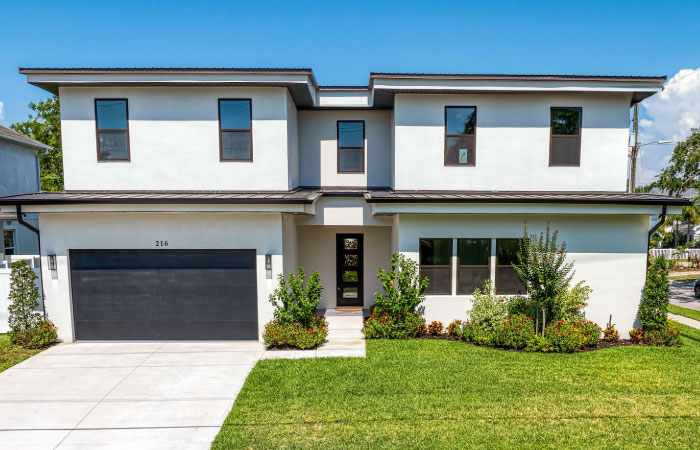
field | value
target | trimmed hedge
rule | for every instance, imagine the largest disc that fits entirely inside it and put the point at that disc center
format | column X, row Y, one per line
column 281, row 334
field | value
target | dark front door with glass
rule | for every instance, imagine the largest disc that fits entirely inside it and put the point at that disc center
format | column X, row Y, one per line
column 349, row 264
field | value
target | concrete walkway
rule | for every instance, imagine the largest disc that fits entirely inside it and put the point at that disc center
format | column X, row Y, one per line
column 123, row 395
column 345, row 338
column 685, row 320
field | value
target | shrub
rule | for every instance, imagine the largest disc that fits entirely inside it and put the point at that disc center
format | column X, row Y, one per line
column 610, row 334
column 518, row 331
column 39, row 336
column 477, row 334
column 384, row 326
column 653, row 310
column 571, row 336
column 668, row 336
column 435, row 328
column 539, row 344
column 488, row 310
column 454, row 329
column 295, row 301
column 24, row 302
column 568, row 306
column 636, row 335
column 403, row 288
column 280, row 334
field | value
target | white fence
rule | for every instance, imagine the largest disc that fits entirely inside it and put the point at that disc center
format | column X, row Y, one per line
column 672, row 253
column 5, row 285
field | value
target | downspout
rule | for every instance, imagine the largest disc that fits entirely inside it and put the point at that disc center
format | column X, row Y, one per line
column 656, row 226
column 20, row 220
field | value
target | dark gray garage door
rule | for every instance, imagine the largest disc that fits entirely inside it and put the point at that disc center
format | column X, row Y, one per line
column 164, row 294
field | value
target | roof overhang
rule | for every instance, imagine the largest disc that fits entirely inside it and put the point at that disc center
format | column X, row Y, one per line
column 26, row 142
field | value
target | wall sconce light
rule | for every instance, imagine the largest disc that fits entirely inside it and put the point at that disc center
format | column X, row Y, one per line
column 268, row 266
column 52, row 262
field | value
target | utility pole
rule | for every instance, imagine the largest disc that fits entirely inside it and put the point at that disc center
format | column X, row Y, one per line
column 635, row 149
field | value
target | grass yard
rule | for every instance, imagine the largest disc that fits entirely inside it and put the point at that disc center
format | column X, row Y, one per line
column 685, row 312
column 684, row 277
column 11, row 354
column 443, row 394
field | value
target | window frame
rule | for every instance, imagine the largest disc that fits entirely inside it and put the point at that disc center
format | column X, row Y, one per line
column 114, row 131
column 487, row 266
column 13, row 233
column 235, row 130
column 441, row 266
column 338, row 147
column 551, row 135
column 446, row 136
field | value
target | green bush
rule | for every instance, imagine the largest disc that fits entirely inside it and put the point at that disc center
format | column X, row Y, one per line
column 488, row 310
column 653, row 310
column 477, row 334
column 39, row 336
column 571, row 336
column 281, row 334
column 295, row 301
column 404, row 290
column 384, row 326
column 518, row 332
column 610, row 334
column 454, row 329
column 668, row 336
column 24, row 319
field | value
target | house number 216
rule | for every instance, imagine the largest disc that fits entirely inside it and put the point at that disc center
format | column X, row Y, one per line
column 161, row 243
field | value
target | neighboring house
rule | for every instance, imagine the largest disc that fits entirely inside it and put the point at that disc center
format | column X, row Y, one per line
column 188, row 191
column 19, row 174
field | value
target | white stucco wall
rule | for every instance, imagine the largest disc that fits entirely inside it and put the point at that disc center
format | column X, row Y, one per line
column 174, row 140
column 512, row 142
column 609, row 253
column 61, row 232
column 317, row 252
column 318, row 148
column 292, row 143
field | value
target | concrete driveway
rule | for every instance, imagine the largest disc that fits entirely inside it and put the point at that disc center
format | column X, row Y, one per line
column 123, row 395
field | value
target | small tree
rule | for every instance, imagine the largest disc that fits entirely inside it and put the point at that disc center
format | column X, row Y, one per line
column 653, row 310
column 296, row 301
column 404, row 290
column 24, row 299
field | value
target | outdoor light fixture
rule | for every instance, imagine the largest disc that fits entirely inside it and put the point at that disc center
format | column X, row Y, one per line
column 268, row 266
column 52, row 262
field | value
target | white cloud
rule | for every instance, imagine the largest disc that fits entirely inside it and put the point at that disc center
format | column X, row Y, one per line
column 670, row 115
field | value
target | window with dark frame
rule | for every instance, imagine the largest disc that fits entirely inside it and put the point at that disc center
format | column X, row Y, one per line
column 507, row 281
column 460, row 135
column 351, row 146
column 235, row 125
column 8, row 237
column 112, row 124
column 435, row 263
column 473, row 268
column 565, row 145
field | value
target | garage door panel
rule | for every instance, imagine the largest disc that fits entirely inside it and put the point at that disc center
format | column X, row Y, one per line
column 164, row 294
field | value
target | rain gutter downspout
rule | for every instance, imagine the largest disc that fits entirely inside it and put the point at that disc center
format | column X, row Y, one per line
column 656, row 226
column 20, row 220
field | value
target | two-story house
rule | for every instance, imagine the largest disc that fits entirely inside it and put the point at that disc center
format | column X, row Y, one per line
column 189, row 190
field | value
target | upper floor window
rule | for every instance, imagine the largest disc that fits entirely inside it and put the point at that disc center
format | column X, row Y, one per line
column 460, row 131
column 351, row 146
column 565, row 145
column 235, row 137
column 435, row 256
column 112, row 121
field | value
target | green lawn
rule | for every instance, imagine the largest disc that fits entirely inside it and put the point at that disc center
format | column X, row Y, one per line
column 685, row 312
column 12, row 354
column 685, row 277
column 443, row 394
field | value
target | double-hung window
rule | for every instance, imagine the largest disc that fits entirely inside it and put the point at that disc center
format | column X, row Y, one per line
column 9, row 241
column 235, row 125
column 565, row 145
column 112, row 122
column 435, row 256
column 351, row 146
column 460, row 135
column 507, row 281
column 473, row 268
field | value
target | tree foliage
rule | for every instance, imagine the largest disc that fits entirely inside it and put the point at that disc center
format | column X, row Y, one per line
column 295, row 300
column 24, row 298
column 683, row 170
column 653, row 310
column 45, row 127
column 403, row 287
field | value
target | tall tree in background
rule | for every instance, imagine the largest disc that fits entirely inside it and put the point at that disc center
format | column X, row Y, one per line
column 45, row 127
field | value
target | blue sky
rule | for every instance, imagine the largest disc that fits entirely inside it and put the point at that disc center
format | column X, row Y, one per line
column 344, row 41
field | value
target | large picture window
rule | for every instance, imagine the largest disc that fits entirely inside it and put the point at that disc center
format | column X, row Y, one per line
column 507, row 281
column 351, row 146
column 460, row 135
column 435, row 256
column 235, row 125
column 112, row 122
column 565, row 145
column 472, row 264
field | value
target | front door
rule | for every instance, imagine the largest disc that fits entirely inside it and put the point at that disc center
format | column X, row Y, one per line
column 349, row 268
